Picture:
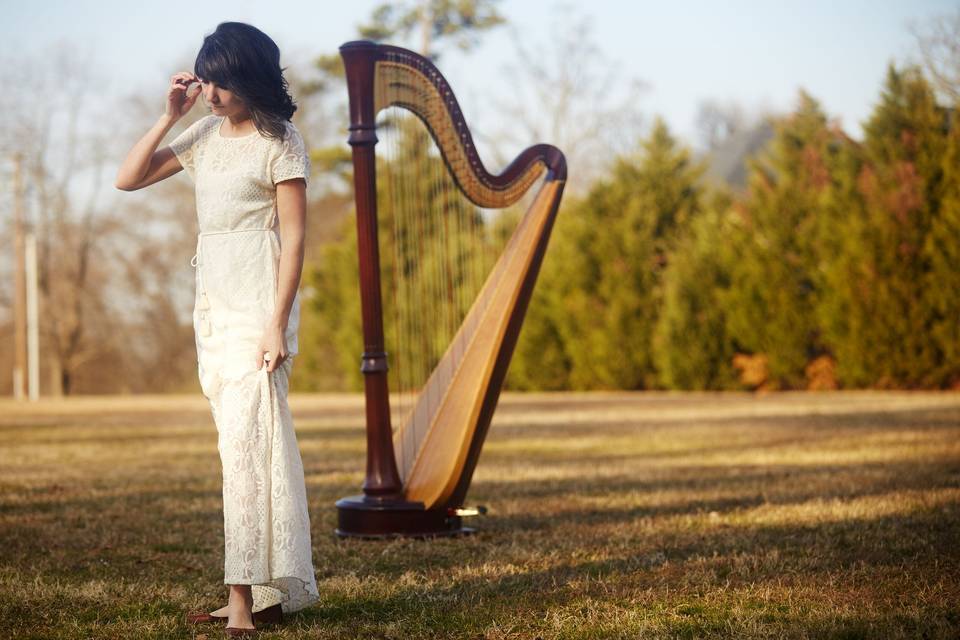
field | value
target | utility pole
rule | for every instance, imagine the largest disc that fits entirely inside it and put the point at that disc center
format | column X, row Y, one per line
column 33, row 319
column 20, row 291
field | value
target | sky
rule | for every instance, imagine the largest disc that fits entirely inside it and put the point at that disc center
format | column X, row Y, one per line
column 755, row 53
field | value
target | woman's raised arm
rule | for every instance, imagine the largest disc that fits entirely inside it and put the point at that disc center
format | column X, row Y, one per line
column 144, row 165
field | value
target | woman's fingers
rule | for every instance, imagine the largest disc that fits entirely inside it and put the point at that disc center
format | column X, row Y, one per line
column 270, row 359
column 275, row 360
column 179, row 98
column 182, row 80
column 192, row 98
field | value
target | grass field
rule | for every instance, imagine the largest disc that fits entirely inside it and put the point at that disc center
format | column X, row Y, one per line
column 808, row 515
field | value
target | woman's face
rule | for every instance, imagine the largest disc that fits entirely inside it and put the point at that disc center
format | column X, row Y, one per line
column 221, row 101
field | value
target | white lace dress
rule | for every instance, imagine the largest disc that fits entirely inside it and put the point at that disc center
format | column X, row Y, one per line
column 265, row 520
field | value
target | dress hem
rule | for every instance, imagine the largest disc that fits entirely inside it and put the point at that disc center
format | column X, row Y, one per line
column 278, row 591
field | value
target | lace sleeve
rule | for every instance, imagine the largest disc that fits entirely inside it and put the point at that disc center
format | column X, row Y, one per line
column 292, row 159
column 184, row 146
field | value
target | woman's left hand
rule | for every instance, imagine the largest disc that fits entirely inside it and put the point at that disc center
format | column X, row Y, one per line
column 274, row 342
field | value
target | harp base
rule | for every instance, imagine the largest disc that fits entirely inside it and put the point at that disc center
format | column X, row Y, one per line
column 359, row 517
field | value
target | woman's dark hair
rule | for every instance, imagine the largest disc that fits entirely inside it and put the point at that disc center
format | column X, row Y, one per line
column 246, row 61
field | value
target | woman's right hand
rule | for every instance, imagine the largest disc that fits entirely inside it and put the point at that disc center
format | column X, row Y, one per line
column 179, row 102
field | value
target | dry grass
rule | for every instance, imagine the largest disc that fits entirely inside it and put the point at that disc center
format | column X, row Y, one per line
column 827, row 515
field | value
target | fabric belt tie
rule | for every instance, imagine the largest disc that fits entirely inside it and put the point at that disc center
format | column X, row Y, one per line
column 203, row 305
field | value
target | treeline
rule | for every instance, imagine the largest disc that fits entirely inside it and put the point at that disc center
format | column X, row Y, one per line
column 837, row 267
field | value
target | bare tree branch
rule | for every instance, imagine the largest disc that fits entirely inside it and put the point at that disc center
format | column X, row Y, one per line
column 569, row 94
column 939, row 44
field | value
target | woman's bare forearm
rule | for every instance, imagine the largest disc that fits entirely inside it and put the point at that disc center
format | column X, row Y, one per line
column 137, row 162
column 292, row 216
column 291, row 268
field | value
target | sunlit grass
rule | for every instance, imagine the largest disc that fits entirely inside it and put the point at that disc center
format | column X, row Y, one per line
column 611, row 515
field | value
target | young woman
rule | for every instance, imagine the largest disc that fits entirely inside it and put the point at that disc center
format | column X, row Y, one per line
column 250, row 168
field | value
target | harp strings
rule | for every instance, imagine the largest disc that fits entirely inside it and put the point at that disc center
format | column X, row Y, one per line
column 437, row 249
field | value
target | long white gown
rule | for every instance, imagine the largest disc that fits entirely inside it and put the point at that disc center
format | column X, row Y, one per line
column 265, row 519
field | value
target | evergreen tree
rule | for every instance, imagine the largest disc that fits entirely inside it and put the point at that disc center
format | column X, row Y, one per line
column 692, row 347
column 840, row 274
column 882, row 322
column 601, row 280
column 942, row 249
column 770, row 303
column 457, row 21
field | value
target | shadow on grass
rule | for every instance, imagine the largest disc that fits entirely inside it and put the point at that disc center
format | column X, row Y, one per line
column 820, row 425
column 777, row 484
column 543, row 557
column 722, row 561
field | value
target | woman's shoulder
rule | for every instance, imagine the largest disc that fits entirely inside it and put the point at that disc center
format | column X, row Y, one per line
column 201, row 129
column 288, row 141
column 290, row 134
column 204, row 123
column 289, row 158
column 189, row 144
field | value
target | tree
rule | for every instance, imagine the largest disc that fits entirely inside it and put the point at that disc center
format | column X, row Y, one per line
column 693, row 348
column 939, row 44
column 115, row 281
column 567, row 93
column 602, row 275
column 840, row 275
column 717, row 121
column 455, row 21
column 441, row 23
column 942, row 250
column 772, row 295
column 900, row 187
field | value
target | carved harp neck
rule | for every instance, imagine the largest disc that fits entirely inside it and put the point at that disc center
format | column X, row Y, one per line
column 399, row 77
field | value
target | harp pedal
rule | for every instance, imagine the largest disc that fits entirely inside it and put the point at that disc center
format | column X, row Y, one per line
column 467, row 511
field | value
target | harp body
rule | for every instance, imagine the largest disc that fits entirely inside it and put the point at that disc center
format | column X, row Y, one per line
column 418, row 474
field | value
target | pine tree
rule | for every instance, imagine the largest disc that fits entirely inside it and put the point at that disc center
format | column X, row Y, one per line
column 770, row 303
column 882, row 322
column 601, row 280
column 840, row 274
column 692, row 347
column 942, row 249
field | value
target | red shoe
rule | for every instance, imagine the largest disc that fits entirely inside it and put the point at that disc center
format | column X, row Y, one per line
column 201, row 617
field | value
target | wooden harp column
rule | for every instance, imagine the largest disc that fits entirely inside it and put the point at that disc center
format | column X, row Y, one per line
column 421, row 496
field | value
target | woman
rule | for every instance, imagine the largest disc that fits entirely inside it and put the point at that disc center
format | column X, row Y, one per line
column 250, row 168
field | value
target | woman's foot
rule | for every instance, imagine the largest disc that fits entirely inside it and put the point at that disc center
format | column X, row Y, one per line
column 222, row 612
column 270, row 615
column 239, row 608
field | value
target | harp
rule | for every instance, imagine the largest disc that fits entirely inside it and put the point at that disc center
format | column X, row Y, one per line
column 418, row 474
